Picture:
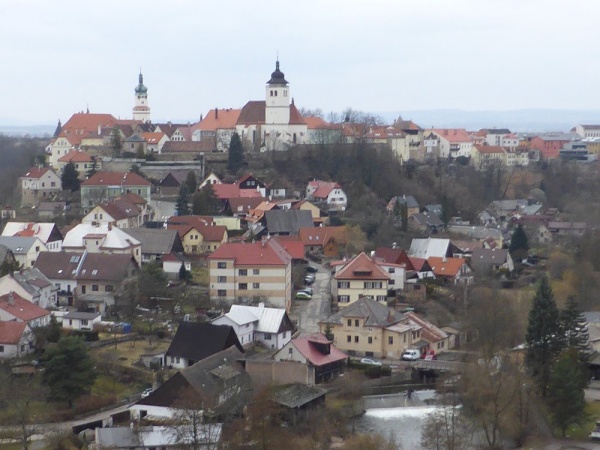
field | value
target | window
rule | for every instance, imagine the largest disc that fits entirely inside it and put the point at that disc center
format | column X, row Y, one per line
column 356, row 322
column 381, row 298
column 95, row 288
column 221, row 279
column 221, row 265
column 255, row 271
column 267, row 337
column 348, row 338
column 53, row 183
column 1, row 348
column 391, row 270
column 343, row 299
column 284, row 334
column 243, row 272
column 243, row 286
column 290, row 350
column 109, row 288
column 356, row 339
column 392, row 282
column 83, row 289
column 370, row 340
column 84, row 323
column 391, row 340
column 221, row 293
column 373, row 284
column 255, row 285
column 349, row 322
column 343, row 284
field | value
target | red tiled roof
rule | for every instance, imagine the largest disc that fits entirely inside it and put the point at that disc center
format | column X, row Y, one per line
column 319, row 236
column 268, row 253
column 244, row 204
column 445, row 267
column 120, row 208
column 115, row 179
column 418, row 264
column 36, row 172
column 317, row 123
column 225, row 191
column 367, row 270
column 75, row 156
column 295, row 116
column 152, row 137
column 194, row 221
column 453, row 135
column 21, row 309
column 133, row 198
column 11, row 332
column 323, row 188
column 305, row 345
column 214, row 233
column 217, row 119
column 253, row 112
column 393, row 256
column 293, row 245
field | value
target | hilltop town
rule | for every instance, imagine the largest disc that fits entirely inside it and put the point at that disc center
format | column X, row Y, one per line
column 253, row 279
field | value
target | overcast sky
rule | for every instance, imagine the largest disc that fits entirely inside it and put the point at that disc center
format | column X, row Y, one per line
column 59, row 57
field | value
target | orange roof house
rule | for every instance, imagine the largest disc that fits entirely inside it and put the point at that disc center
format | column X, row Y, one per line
column 328, row 240
column 455, row 270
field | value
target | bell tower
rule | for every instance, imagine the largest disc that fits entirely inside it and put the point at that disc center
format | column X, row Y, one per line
column 277, row 99
column 141, row 110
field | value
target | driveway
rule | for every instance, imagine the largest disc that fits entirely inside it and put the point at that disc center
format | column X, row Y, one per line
column 308, row 313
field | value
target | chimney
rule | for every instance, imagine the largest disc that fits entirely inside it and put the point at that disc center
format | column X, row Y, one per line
column 11, row 298
column 216, row 113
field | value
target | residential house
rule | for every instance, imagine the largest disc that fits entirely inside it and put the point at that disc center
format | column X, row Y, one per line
column 39, row 184
column 47, row 232
column 242, row 271
column 195, row 341
column 452, row 270
column 171, row 265
column 6, row 257
column 319, row 217
column 486, row 156
column 171, row 184
column 198, row 240
column 32, row 285
column 24, row 249
column 563, row 228
column 270, row 326
column 493, row 236
column 241, row 206
column 80, row 321
column 156, row 243
column 152, row 437
column 287, row 222
column 486, row 261
column 587, row 131
column 82, row 161
column 327, row 193
column 549, row 144
column 317, row 352
column 396, row 203
column 219, row 379
column 119, row 212
column 250, row 183
column 16, row 340
column 51, row 210
column 13, row 307
column 426, row 222
column 102, row 238
column 294, row 246
column 327, row 241
column 210, row 179
column 154, row 141
column 217, row 126
column 91, row 279
column 106, row 185
column 425, row 248
column 369, row 328
column 360, row 277
column 452, row 143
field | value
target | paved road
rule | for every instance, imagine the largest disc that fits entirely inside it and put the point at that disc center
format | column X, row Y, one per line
column 309, row 313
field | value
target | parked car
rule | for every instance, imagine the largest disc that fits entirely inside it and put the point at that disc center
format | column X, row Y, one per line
column 411, row 354
column 311, row 269
column 146, row 392
column 300, row 295
column 429, row 355
column 370, row 361
column 309, row 280
column 308, row 290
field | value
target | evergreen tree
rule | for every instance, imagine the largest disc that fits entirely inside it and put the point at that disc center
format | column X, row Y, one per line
column 69, row 371
column 93, row 169
column 445, row 210
column 566, row 396
column 544, row 335
column 191, row 182
column 70, row 178
column 575, row 330
column 236, row 154
column 404, row 215
column 116, row 141
column 518, row 243
column 182, row 204
column 9, row 266
column 204, row 201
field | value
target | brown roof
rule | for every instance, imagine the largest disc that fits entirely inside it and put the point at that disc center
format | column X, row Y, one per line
column 11, row 332
column 214, row 233
column 269, row 253
column 120, row 208
column 75, row 156
column 295, row 116
column 445, row 267
column 219, row 119
column 36, row 172
column 195, row 221
column 103, row 178
column 319, row 236
column 362, row 267
column 253, row 112
column 63, row 266
column 20, row 308
column 392, row 256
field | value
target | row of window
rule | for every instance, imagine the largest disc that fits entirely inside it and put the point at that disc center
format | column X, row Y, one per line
column 241, row 272
column 366, row 285
column 96, row 288
column 370, row 339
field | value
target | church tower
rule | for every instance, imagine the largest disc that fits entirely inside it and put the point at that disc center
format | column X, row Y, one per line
column 141, row 110
column 277, row 109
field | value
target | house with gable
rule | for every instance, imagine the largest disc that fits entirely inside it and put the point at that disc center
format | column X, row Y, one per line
column 243, row 271
column 16, row 340
column 197, row 238
column 154, row 141
column 453, row 142
column 286, row 222
column 318, row 216
column 82, row 161
column 39, row 184
column 270, row 326
column 171, row 184
column 211, row 179
column 327, row 193
column 13, row 307
column 119, row 212
column 396, row 203
column 47, row 232
column 32, row 285
column 157, row 243
column 451, row 270
column 360, row 277
column 217, row 126
column 488, row 261
column 194, row 341
column 25, row 249
column 107, row 185
column 327, row 241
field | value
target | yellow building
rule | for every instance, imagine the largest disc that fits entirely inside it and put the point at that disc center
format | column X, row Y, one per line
column 361, row 277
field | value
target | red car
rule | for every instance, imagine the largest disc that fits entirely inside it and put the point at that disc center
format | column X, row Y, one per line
column 429, row 355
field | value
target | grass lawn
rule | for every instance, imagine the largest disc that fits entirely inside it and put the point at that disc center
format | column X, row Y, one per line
column 592, row 410
column 129, row 352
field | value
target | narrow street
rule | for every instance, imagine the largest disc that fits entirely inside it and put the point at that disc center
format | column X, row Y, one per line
column 308, row 313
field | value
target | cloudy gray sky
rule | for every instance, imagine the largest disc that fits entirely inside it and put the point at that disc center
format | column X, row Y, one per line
column 60, row 56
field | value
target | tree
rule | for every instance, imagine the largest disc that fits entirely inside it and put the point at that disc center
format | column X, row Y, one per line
column 204, row 201
column 235, row 159
column 182, row 204
column 93, row 169
column 152, row 281
column 446, row 429
column 116, row 141
column 9, row 266
column 69, row 370
column 356, row 239
column 575, row 329
column 518, row 243
column 544, row 338
column 70, row 177
column 566, row 397
column 191, row 182
column 184, row 274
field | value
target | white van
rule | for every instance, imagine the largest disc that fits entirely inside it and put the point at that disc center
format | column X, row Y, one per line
column 411, row 354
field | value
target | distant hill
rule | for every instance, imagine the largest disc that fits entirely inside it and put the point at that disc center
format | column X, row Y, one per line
column 515, row 120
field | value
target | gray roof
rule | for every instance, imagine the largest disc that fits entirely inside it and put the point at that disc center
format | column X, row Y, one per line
column 81, row 315
column 17, row 244
column 297, row 395
column 4, row 252
column 475, row 232
column 32, row 280
column 410, row 201
column 560, row 136
column 428, row 219
column 288, row 221
column 375, row 314
column 156, row 241
column 484, row 258
column 434, row 209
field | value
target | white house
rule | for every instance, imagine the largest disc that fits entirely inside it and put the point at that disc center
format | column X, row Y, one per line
column 25, row 249
column 16, row 339
column 327, row 192
column 32, row 285
column 453, row 142
column 83, row 321
column 15, row 308
column 39, row 184
column 270, row 326
column 47, row 232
